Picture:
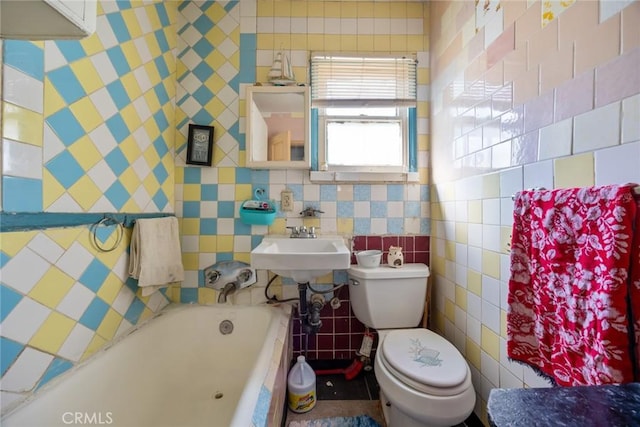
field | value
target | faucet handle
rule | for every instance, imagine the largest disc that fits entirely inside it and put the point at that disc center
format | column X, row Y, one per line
column 294, row 230
column 312, row 231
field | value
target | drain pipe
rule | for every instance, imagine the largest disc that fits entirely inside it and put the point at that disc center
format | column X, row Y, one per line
column 317, row 302
column 302, row 308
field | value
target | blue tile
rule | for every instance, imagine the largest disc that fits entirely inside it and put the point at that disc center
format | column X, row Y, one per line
column 65, row 125
column 243, row 176
column 412, row 209
column 94, row 314
column 4, row 258
column 209, row 192
column 8, row 300
column 65, row 168
column 248, row 42
column 395, row 225
column 191, row 209
column 203, row 48
column 117, row 195
column 425, row 226
column 188, row 295
column 203, row 95
column 161, row 146
column 132, row 284
column 362, row 226
column 297, row 190
column 117, row 161
column 161, row 39
column 203, row 71
column 119, row 27
column 224, row 256
column 203, row 24
column 67, row 84
column 378, row 209
column 135, row 311
column 256, row 240
column 226, row 209
column 395, row 192
column 228, row 7
column 160, row 199
column 161, row 93
column 123, row 4
column 14, row 190
column 160, row 173
column 57, row 367
column 95, row 275
column 162, row 14
column 72, row 50
column 104, row 233
column 203, row 117
column 240, row 228
column 118, row 94
column 425, row 195
column 261, row 410
column 344, row 209
column 362, row 192
column 118, row 128
column 208, row 226
column 328, row 192
column 260, row 177
column 161, row 120
column 118, row 60
column 25, row 56
column 9, row 350
column 162, row 68
column 192, row 175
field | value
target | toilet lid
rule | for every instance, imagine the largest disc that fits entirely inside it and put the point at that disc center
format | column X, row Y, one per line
column 423, row 357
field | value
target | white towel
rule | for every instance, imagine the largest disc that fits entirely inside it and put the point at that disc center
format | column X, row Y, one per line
column 155, row 257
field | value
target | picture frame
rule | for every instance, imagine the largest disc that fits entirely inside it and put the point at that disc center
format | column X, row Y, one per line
column 200, row 145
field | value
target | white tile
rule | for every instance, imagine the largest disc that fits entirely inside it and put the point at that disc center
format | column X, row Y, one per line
column 103, row 139
column 102, row 175
column 10, row 400
column 474, row 329
column 52, row 144
column 539, row 174
column 508, row 380
column 103, row 102
column 361, row 209
column 382, row 26
column 514, row 367
column 281, row 24
column 123, row 300
column 315, row 25
column 490, row 368
column 630, row 122
column 618, row 165
column 76, row 343
column 474, row 305
column 348, row 26
column 299, row 26
column 44, row 246
column 53, row 58
column 157, row 302
column 19, row 158
column 104, row 67
column 125, row 326
column 76, row 301
column 555, row 140
column 378, row 192
column 143, row 20
column 24, row 320
column 121, row 267
column 460, row 340
column 65, row 203
column 505, row 267
column 491, row 211
column 461, row 276
column 475, row 258
column 506, row 211
column 332, row 25
column 26, row 371
column 395, row 209
column 242, row 243
column 532, row 379
column 75, row 261
column 596, row 129
column 504, row 295
column 415, row 26
column 609, row 8
column 491, row 316
column 24, row 270
column 462, row 211
column 474, row 234
column 365, row 26
column 461, row 254
column 460, row 319
column 491, row 237
column 190, row 243
column 22, row 89
column 510, row 181
column 491, row 290
column 397, row 26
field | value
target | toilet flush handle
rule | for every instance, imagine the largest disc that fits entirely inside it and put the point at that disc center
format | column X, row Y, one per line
column 354, row 282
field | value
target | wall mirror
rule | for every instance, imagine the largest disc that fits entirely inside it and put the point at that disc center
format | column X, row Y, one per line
column 277, row 127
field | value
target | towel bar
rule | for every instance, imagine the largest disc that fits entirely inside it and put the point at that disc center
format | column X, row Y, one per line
column 636, row 190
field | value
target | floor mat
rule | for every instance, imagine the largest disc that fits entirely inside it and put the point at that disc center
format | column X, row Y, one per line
column 359, row 421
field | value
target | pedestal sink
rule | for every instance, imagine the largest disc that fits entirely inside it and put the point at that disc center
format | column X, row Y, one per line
column 299, row 258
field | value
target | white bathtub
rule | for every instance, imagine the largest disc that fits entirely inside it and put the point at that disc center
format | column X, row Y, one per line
column 175, row 370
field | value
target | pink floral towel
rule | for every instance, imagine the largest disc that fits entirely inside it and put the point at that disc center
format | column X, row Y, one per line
column 570, row 264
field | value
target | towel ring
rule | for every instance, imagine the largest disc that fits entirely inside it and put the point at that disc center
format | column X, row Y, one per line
column 107, row 221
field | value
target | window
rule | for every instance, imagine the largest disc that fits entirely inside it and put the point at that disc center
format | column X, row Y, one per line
column 363, row 111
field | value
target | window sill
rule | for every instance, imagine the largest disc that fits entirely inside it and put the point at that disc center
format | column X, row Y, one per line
column 363, row 177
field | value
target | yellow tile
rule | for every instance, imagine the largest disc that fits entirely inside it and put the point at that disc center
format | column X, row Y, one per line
column 207, row 244
column 449, row 310
column 416, row 10
column 264, row 41
column 345, row 225
column 153, row 104
column 21, row 124
column 315, row 9
column 85, row 152
column 436, row 211
column 279, row 226
column 490, row 343
column 491, row 263
column 12, row 243
column 191, row 226
column 282, row 39
column 110, row 289
column 226, row 175
column 349, row 10
column 461, row 297
column 109, row 325
column 438, row 320
column 265, row 8
column 130, row 148
column 450, row 250
column 190, row 260
column 65, row 237
column 154, row 50
column 151, row 184
column 131, row 21
column 97, row 342
column 474, row 211
column 438, row 264
column 191, row 192
column 53, row 332
column 365, row 43
column 574, row 171
column 348, row 42
column 179, row 175
column 92, row 45
column 365, row 9
column 474, row 282
column 472, row 353
column 243, row 192
column 491, row 186
column 150, row 127
column 381, row 9
column 424, row 76
column 246, row 257
column 131, row 87
column 414, row 43
column 224, row 243
column 87, row 75
column 299, row 9
column 146, row 313
column 52, row 287
column 462, row 232
column 173, row 293
column 51, row 189
column 207, row 296
column 85, row 192
column 53, row 102
column 152, row 14
column 331, row 40
column 315, row 42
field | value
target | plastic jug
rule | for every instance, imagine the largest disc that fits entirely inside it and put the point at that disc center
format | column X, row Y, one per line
column 302, row 387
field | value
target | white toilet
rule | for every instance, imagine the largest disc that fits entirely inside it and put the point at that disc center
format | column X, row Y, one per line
column 423, row 378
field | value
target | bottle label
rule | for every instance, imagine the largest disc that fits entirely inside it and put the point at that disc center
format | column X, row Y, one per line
column 302, row 402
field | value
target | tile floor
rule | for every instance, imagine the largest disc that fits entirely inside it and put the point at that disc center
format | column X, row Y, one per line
column 338, row 397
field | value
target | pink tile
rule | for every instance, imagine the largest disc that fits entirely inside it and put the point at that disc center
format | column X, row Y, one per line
column 325, row 341
column 581, row 16
column 630, row 27
column 575, row 96
column 618, row 79
column 524, row 149
column 408, row 244
column 513, row 10
column 493, row 79
column 543, row 43
column 467, row 11
column 556, row 69
column 491, row 133
column 529, row 23
column 512, row 123
column 597, row 45
column 501, row 46
column 538, row 112
column 476, row 68
column 525, row 86
column 356, row 326
column 516, row 63
column 475, row 45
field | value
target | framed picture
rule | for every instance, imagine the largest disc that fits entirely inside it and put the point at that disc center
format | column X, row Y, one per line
column 200, row 145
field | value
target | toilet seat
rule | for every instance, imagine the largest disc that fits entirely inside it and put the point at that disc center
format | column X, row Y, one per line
column 425, row 361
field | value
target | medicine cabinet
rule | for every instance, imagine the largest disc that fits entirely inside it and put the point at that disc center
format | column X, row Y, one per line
column 277, row 127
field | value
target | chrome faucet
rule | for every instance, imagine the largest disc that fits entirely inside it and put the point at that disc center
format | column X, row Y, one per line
column 303, row 232
column 228, row 289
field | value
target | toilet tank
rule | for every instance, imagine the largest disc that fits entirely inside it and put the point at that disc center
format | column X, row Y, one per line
column 386, row 297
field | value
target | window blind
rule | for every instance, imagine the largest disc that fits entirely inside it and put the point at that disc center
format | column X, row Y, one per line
column 343, row 80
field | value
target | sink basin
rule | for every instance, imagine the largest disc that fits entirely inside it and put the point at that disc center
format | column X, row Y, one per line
column 301, row 259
